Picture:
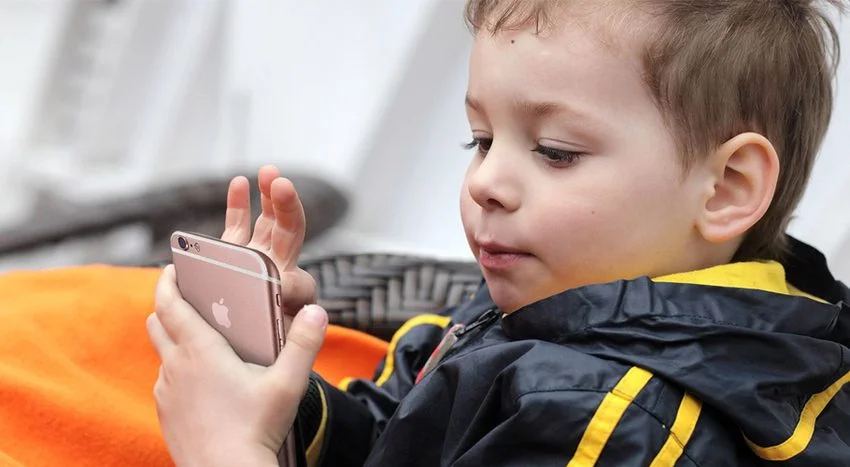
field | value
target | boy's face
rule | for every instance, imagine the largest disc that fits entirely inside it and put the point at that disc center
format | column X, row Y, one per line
column 577, row 179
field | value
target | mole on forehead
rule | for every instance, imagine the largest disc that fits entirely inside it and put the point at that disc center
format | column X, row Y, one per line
column 621, row 30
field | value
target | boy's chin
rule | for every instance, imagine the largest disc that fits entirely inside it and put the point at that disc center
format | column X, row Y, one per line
column 508, row 296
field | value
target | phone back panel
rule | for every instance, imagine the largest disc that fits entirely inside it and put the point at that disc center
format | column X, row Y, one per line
column 235, row 289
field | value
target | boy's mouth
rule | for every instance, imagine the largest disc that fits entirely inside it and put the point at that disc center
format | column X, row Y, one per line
column 496, row 256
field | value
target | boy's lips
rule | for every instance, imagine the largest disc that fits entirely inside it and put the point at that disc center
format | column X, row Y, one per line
column 495, row 256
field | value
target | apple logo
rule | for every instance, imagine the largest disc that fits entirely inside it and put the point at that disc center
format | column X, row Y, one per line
column 220, row 313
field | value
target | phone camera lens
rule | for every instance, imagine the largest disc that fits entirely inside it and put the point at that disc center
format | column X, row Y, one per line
column 182, row 243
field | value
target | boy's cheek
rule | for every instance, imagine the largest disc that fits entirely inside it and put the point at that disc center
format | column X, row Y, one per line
column 469, row 213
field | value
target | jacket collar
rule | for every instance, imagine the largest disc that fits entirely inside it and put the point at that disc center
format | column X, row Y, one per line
column 756, row 295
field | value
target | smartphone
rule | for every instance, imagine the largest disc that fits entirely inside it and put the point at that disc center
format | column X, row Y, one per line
column 237, row 291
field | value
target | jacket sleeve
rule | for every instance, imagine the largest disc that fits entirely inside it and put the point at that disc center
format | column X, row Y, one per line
column 340, row 425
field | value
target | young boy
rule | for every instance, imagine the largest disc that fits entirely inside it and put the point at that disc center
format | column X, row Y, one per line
column 636, row 165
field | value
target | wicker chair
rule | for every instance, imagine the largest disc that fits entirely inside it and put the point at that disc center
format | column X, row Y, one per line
column 377, row 293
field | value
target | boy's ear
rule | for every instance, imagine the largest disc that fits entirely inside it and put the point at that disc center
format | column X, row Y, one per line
column 744, row 172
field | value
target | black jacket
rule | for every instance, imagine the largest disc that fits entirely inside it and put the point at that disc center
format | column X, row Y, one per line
column 732, row 365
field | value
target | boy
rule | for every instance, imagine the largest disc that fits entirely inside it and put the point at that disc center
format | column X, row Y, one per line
column 615, row 142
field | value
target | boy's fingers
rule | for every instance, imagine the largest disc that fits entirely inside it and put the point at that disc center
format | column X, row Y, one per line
column 290, row 224
column 180, row 321
column 265, row 223
column 159, row 338
column 303, row 341
column 237, row 218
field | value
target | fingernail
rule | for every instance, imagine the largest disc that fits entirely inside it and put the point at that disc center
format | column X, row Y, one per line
column 315, row 315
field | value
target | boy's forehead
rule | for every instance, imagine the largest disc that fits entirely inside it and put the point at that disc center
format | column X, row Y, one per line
column 577, row 69
column 539, row 79
column 620, row 26
column 575, row 32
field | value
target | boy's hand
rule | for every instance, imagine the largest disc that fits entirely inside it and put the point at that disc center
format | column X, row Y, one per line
column 215, row 409
column 278, row 232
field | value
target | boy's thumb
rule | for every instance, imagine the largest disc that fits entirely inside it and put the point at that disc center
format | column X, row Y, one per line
column 302, row 344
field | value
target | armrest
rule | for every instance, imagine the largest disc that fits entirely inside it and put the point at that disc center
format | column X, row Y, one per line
column 197, row 205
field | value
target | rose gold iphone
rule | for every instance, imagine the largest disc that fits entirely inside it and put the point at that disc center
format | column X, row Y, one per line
column 237, row 291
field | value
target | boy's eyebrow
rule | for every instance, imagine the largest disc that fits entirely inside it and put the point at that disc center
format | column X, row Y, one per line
column 533, row 109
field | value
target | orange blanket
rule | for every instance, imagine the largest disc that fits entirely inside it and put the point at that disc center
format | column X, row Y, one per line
column 77, row 370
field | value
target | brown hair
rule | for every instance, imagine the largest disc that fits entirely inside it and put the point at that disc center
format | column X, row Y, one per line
column 718, row 68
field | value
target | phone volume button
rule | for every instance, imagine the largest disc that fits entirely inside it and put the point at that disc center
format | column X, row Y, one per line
column 277, row 298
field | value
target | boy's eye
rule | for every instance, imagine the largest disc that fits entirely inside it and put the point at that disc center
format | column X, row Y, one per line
column 483, row 144
column 558, row 157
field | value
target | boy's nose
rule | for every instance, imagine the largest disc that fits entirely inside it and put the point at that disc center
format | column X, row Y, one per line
column 493, row 184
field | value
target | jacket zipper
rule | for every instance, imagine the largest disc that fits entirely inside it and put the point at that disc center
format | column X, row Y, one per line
column 486, row 318
column 449, row 341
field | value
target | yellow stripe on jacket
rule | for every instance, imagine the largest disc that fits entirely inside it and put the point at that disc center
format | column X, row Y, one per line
column 607, row 417
column 420, row 320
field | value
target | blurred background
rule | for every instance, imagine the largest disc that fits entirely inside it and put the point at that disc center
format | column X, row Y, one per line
column 121, row 120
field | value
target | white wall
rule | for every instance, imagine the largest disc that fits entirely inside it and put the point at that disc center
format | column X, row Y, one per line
column 315, row 75
column 27, row 32
column 823, row 217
